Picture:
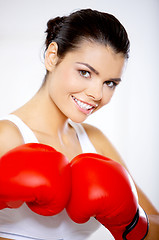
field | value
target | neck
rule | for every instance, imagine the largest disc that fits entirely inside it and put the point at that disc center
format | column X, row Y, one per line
column 42, row 114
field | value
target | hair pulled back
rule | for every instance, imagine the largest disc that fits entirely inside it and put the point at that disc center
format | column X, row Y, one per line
column 87, row 24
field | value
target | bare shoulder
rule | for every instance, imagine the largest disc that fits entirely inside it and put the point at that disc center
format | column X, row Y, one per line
column 10, row 136
column 102, row 144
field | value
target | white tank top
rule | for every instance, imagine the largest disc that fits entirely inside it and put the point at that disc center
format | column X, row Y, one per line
column 23, row 224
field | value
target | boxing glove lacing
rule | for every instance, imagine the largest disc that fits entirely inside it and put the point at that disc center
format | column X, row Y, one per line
column 132, row 225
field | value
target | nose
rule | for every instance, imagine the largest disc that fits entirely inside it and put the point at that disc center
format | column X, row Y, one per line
column 95, row 91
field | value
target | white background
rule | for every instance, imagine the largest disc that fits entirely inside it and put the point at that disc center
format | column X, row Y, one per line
column 131, row 119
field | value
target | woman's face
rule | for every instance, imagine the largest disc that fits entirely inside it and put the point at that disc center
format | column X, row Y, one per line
column 85, row 80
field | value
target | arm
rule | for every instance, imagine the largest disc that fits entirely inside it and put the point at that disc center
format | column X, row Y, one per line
column 5, row 238
column 104, row 147
column 153, row 215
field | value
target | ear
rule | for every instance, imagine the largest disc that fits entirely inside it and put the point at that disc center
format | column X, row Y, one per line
column 51, row 57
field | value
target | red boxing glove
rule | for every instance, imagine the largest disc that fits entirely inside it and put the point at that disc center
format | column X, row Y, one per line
column 103, row 189
column 36, row 174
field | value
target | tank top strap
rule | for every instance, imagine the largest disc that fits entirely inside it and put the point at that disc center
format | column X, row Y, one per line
column 29, row 136
column 83, row 138
column 26, row 132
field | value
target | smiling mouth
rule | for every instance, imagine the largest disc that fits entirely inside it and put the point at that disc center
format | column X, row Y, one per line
column 84, row 107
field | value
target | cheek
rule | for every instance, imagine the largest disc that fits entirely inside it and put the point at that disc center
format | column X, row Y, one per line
column 67, row 81
column 60, row 83
column 107, row 95
column 73, row 83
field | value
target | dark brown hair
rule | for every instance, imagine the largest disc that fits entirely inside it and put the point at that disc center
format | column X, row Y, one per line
column 87, row 24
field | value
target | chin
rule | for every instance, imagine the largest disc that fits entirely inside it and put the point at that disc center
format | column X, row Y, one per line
column 78, row 119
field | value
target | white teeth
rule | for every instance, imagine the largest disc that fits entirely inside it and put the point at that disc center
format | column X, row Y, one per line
column 83, row 105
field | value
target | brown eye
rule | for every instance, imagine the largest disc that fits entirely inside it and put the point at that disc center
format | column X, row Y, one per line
column 84, row 73
column 111, row 84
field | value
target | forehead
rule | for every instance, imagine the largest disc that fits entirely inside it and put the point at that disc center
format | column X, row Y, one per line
column 89, row 48
column 100, row 57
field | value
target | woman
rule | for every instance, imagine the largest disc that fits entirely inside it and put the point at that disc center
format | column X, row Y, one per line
column 85, row 56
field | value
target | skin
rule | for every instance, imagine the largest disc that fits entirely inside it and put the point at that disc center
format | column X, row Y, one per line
column 90, row 74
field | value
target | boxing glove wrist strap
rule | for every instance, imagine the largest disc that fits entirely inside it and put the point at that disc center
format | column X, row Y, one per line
column 138, row 228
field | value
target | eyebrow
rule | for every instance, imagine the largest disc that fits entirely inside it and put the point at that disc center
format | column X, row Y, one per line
column 97, row 73
column 115, row 79
column 90, row 67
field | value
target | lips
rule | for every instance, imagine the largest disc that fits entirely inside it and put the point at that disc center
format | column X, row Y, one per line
column 84, row 107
